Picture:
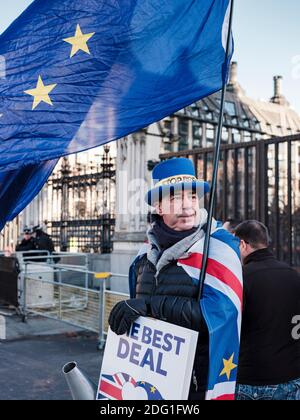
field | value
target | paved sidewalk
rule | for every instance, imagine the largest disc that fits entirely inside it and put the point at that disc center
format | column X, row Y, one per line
column 35, row 326
column 32, row 356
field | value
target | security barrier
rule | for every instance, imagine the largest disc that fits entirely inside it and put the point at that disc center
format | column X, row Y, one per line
column 45, row 290
column 71, row 304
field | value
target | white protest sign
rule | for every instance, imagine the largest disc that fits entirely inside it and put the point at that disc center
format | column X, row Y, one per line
column 153, row 362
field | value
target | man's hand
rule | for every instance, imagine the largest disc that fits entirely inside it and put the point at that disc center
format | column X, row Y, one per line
column 125, row 313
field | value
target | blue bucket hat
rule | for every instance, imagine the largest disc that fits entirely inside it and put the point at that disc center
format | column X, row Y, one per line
column 170, row 176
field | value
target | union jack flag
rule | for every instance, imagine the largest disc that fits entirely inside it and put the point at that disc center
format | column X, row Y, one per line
column 111, row 386
column 221, row 307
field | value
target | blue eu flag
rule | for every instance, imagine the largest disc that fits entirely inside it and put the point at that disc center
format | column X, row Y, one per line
column 122, row 63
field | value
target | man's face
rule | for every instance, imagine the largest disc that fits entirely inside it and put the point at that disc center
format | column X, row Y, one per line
column 181, row 211
column 27, row 236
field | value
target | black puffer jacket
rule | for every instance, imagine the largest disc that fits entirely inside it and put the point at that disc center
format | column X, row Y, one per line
column 173, row 298
column 173, row 294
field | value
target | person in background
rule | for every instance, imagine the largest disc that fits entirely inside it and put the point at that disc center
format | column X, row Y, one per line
column 269, row 366
column 43, row 242
column 27, row 243
column 231, row 224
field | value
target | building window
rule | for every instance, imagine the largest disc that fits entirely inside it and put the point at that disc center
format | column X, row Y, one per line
column 209, row 115
column 236, row 136
column 234, row 121
column 167, row 146
column 194, row 111
column 197, row 134
column 256, row 124
column 168, row 127
column 210, row 134
column 183, row 131
column 225, row 135
column 246, row 122
column 197, row 130
column 230, row 108
column 245, row 118
column 247, row 136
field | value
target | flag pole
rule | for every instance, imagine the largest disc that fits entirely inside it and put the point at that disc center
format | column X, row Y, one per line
column 215, row 166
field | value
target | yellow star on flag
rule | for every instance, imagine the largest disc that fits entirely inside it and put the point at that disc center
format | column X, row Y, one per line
column 153, row 390
column 79, row 41
column 229, row 366
column 40, row 93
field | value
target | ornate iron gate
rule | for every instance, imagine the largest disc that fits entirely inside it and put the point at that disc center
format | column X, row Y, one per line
column 258, row 180
column 83, row 205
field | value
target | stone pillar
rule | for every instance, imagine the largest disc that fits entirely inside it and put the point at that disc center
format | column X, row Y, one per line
column 132, row 183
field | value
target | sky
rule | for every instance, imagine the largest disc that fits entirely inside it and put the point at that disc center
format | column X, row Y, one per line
column 267, row 43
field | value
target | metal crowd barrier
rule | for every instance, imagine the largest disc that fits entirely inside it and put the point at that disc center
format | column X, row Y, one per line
column 78, row 306
column 46, row 289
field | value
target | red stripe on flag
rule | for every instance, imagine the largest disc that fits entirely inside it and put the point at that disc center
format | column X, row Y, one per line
column 111, row 390
column 228, row 397
column 218, row 270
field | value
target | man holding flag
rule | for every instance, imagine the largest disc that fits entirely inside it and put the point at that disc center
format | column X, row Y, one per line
column 164, row 279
